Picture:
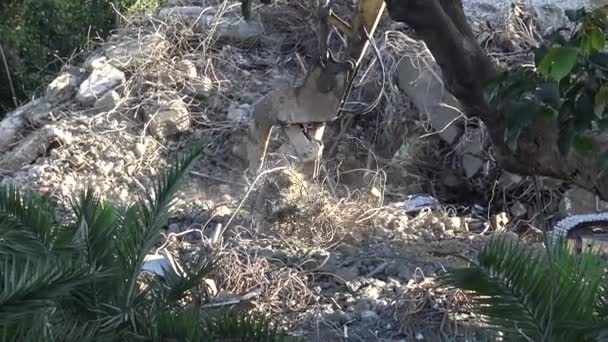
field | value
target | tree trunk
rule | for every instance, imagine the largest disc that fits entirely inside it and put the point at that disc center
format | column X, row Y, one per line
column 442, row 25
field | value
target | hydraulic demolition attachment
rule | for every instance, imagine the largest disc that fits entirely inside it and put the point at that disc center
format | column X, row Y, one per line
column 305, row 109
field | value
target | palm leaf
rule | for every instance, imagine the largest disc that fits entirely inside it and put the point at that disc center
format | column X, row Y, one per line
column 511, row 288
column 231, row 326
column 34, row 212
column 30, row 285
column 95, row 229
column 173, row 288
column 140, row 231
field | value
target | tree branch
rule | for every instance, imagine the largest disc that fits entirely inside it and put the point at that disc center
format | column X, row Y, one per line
column 442, row 25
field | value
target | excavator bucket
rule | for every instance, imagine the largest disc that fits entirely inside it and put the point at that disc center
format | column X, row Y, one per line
column 325, row 88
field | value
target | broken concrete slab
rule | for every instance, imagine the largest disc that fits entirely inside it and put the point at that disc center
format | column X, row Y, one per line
column 127, row 51
column 228, row 27
column 579, row 201
column 420, row 79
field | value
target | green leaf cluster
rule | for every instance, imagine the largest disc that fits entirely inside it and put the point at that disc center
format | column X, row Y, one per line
column 80, row 281
column 518, row 290
column 569, row 84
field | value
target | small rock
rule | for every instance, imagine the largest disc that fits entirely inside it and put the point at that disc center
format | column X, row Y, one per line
column 108, row 101
column 509, row 180
column 369, row 316
column 400, row 270
column 449, row 234
column 224, row 188
column 265, row 252
column 427, row 235
column 500, row 221
column 347, row 250
column 363, row 304
column 169, row 118
column 100, row 81
column 338, row 316
column 95, row 61
column 140, row 149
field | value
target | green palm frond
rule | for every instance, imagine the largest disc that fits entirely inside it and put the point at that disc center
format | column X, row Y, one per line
column 140, row 227
column 231, row 326
column 30, row 285
column 174, row 287
column 96, row 228
column 177, row 325
column 35, row 329
column 14, row 241
column 511, row 288
column 34, row 212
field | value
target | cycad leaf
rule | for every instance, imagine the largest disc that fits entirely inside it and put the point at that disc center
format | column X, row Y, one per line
column 96, row 229
column 33, row 284
column 511, row 287
column 141, row 224
column 33, row 212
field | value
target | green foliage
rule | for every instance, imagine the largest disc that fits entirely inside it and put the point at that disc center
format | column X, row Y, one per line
column 39, row 35
column 512, row 288
column 570, row 85
column 80, row 281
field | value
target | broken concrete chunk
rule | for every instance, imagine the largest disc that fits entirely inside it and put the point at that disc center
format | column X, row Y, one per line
column 579, row 201
column 170, row 117
column 124, row 51
column 101, row 80
column 108, row 101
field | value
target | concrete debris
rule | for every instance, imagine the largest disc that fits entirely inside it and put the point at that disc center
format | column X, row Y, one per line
column 102, row 79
